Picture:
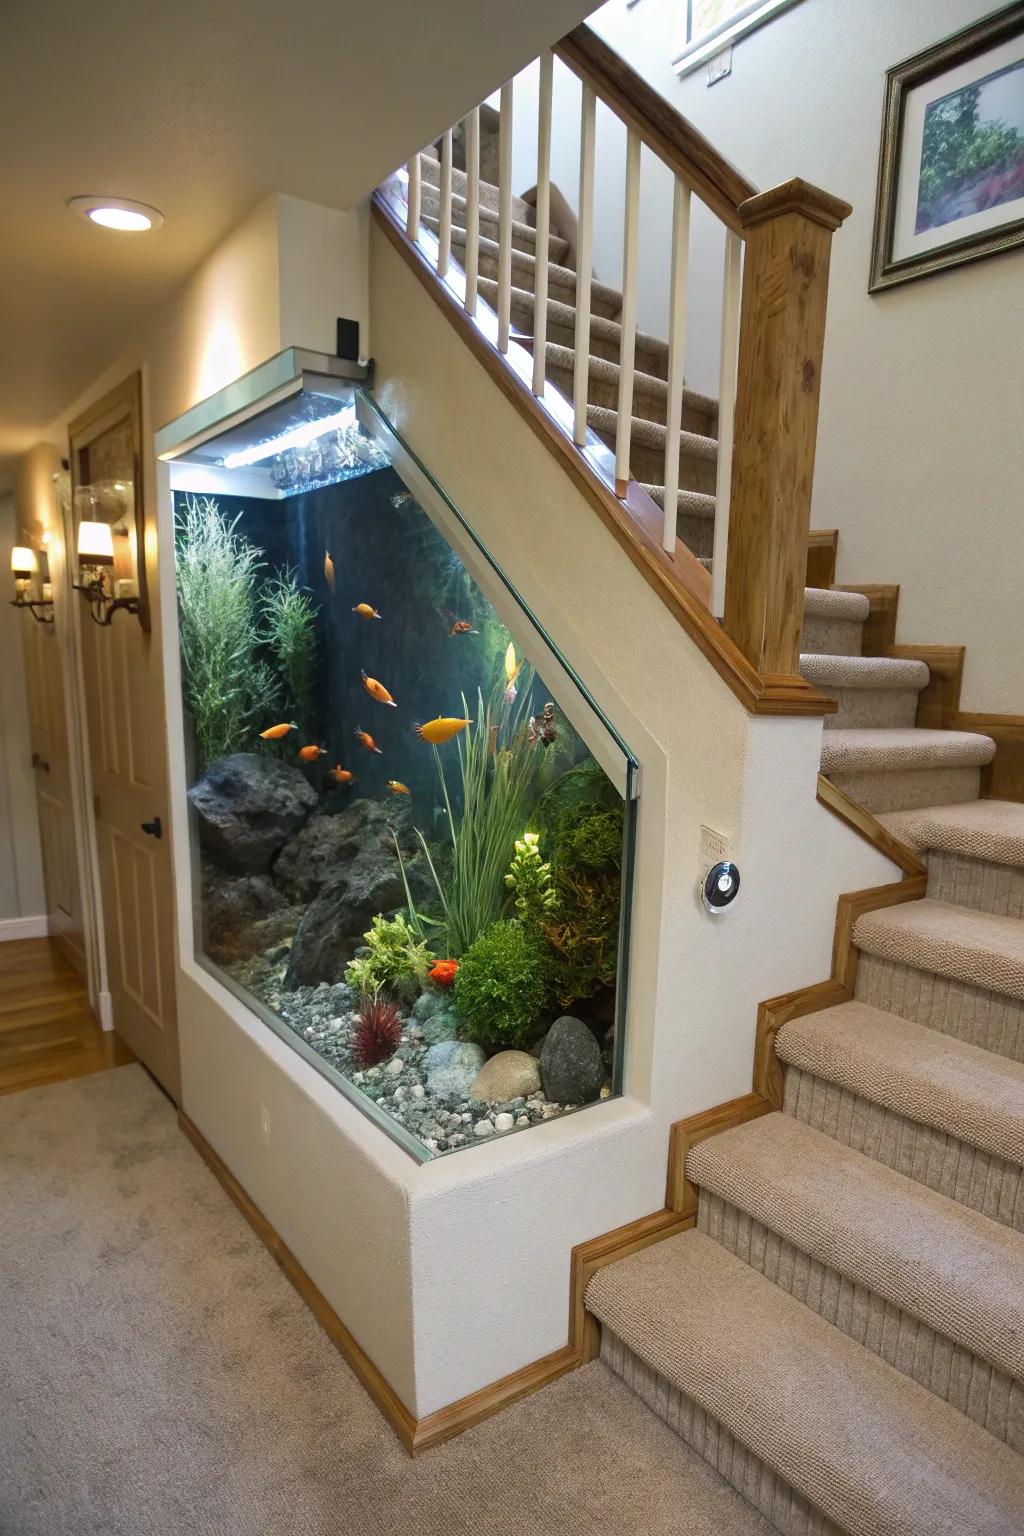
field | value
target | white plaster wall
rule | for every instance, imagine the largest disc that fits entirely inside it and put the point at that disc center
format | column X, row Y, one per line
column 323, row 273
column 498, row 1223
column 920, row 450
column 21, row 869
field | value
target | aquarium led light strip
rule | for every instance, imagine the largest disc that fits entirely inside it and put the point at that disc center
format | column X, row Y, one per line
column 297, row 437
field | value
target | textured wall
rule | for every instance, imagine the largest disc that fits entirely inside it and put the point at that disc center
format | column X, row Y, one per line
column 21, row 870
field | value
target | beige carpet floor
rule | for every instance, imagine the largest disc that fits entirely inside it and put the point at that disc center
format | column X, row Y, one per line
column 159, row 1375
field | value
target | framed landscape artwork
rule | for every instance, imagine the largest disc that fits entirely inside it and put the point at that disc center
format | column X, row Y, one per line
column 951, row 168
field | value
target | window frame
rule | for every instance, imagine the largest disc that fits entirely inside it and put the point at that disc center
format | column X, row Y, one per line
column 697, row 51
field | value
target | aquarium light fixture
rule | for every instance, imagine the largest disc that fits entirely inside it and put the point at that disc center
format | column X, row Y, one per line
column 121, row 213
column 296, row 437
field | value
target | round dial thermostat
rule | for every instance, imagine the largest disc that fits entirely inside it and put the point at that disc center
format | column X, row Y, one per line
column 721, row 887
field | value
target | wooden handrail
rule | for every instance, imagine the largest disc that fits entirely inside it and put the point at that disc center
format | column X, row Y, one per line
column 664, row 130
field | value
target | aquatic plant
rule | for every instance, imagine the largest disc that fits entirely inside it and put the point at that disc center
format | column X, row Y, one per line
column 378, row 1032
column 396, row 959
column 290, row 634
column 529, row 878
column 583, row 931
column 228, row 689
column 502, row 986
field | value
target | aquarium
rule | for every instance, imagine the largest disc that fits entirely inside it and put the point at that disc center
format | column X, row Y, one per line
column 412, row 828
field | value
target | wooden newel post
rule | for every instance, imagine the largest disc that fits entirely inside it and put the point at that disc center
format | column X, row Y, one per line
column 785, row 285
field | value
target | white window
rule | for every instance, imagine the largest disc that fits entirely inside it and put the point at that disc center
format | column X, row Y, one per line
column 712, row 25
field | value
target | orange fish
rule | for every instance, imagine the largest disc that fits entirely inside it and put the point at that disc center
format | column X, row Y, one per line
column 444, row 972
column 310, row 754
column 365, row 611
column 342, row 775
column 378, row 691
column 458, row 626
column 440, row 730
column 397, row 788
column 329, row 570
column 366, row 740
column 275, row 732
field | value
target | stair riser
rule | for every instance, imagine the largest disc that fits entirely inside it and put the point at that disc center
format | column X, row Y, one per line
column 994, row 888
column 785, row 1510
column 910, row 790
column 977, row 1179
column 646, row 403
column 832, row 637
column 523, row 237
column 972, row 1014
column 861, row 708
column 971, row 1385
column 431, row 176
column 649, row 359
column 648, row 464
column 698, row 534
column 559, row 287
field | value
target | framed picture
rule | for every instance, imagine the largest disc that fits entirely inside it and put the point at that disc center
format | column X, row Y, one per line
column 951, row 168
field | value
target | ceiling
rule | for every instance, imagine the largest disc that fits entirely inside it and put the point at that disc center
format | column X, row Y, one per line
column 202, row 108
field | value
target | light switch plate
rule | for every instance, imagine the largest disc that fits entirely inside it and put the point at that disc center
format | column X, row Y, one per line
column 720, row 65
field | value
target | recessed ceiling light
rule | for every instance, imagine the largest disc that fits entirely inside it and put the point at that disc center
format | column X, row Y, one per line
column 121, row 213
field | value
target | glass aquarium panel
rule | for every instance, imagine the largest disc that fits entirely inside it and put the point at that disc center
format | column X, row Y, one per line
column 412, row 827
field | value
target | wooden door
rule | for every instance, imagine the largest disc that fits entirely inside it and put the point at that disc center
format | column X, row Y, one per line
column 127, row 752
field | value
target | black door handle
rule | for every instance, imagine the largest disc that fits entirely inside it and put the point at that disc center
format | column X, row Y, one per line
column 38, row 762
column 152, row 828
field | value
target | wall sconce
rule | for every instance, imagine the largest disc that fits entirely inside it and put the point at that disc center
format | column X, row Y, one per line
column 24, row 567
column 95, row 560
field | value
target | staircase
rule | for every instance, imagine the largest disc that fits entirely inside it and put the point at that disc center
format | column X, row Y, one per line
column 842, row 1333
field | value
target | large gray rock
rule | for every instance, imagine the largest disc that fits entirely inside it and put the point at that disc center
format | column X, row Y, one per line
column 509, row 1075
column 347, row 868
column 243, row 915
column 571, row 1068
column 452, row 1067
column 248, row 806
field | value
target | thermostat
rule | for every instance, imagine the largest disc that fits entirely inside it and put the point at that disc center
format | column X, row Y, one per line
column 720, row 887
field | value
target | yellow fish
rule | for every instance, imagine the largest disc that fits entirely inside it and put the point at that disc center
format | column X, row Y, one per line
column 310, row 754
column 378, row 691
column 275, row 732
column 398, row 789
column 440, row 730
column 329, row 570
column 365, row 611
column 512, row 667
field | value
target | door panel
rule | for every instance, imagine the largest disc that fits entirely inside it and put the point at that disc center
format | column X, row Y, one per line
column 126, row 727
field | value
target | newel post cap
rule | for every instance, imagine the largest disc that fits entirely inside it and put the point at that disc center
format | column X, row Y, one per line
column 795, row 196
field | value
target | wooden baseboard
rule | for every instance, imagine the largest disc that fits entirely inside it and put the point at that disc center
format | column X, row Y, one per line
column 1003, row 777
column 880, row 625
column 588, row 1258
column 822, row 548
column 680, row 1194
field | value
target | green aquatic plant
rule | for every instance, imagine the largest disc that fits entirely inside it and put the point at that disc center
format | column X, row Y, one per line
column 502, row 985
column 396, row 959
column 529, row 878
column 289, row 631
column 228, row 688
column 583, row 931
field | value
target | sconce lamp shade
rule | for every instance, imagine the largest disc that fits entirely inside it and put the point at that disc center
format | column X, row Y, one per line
column 23, row 561
column 95, row 544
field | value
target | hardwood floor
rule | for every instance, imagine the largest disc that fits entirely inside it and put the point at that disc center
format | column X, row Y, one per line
column 47, row 1032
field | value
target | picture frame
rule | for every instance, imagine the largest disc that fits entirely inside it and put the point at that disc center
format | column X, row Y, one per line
column 951, row 161
column 105, row 451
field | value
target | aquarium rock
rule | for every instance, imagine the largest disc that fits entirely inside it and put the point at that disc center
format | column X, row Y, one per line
column 247, row 807
column 571, row 1068
column 509, row 1075
column 427, row 1005
column 452, row 1067
column 443, row 1025
column 357, row 842
column 504, row 1122
column 245, row 914
column 483, row 1128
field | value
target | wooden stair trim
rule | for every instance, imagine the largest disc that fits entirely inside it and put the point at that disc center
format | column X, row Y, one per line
column 867, row 825
column 879, row 628
column 679, row 580
column 822, row 549
column 664, row 130
column 1003, row 777
column 609, row 1248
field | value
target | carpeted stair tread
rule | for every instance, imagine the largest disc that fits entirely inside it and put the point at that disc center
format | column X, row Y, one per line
column 977, row 948
column 874, row 672
column 524, row 236
column 430, row 171
column 645, row 385
column 688, row 503
column 651, row 434
column 870, row 1449
column 830, row 603
column 955, row 1270
column 989, row 830
column 916, row 1072
column 561, row 280
column 864, row 750
column 651, row 354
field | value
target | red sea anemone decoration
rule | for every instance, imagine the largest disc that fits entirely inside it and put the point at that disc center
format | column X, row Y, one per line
column 443, row 973
column 378, row 1032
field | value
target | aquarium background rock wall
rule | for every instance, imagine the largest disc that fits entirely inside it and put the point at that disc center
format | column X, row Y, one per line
column 438, row 920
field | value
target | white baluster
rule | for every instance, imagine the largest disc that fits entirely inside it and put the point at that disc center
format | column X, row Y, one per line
column 472, row 141
column 412, row 221
column 504, row 216
column 731, row 291
column 584, row 259
column 540, row 286
column 444, row 238
column 676, row 355
column 627, row 348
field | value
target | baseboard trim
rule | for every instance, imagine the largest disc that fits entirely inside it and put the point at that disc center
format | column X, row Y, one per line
column 13, row 928
column 418, row 1435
